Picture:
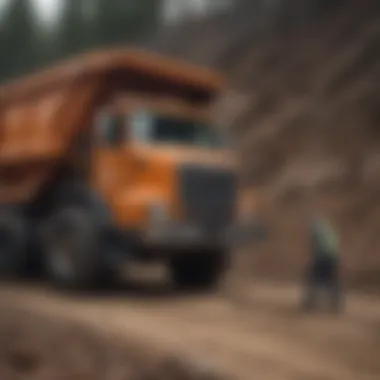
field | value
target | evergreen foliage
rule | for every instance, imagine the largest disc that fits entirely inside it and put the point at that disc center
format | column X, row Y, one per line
column 26, row 44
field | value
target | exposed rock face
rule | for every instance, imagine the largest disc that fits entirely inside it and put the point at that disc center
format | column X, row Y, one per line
column 308, row 76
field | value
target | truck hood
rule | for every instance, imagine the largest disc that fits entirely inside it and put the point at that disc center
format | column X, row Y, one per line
column 222, row 158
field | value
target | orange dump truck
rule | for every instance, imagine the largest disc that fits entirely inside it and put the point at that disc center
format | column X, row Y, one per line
column 109, row 158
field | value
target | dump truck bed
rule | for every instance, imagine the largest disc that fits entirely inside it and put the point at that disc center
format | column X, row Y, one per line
column 131, row 62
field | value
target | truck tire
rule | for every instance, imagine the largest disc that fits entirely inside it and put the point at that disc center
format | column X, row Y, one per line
column 13, row 243
column 201, row 272
column 78, row 194
column 74, row 251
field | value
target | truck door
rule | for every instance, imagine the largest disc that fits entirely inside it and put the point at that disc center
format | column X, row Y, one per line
column 109, row 170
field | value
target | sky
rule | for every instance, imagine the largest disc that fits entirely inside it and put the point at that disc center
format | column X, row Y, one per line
column 47, row 9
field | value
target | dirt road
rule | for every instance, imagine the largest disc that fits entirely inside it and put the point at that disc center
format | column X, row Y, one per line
column 262, row 337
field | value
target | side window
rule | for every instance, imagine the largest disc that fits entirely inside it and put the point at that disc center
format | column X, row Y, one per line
column 110, row 130
column 141, row 124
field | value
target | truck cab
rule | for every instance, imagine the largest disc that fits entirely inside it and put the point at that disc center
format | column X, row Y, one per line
column 167, row 173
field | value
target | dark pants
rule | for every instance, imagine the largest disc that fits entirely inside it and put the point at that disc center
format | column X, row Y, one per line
column 323, row 274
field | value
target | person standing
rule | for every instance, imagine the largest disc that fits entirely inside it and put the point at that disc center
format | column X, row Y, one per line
column 324, row 266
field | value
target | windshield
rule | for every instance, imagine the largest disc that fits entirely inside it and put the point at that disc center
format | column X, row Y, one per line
column 171, row 130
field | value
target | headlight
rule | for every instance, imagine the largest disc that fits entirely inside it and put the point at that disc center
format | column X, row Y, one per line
column 158, row 213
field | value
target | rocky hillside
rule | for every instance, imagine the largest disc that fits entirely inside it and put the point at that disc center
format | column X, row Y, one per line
column 304, row 103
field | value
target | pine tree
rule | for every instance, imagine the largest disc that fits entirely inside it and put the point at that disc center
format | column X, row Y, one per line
column 3, row 62
column 110, row 22
column 119, row 22
column 147, row 18
column 19, row 39
column 72, row 33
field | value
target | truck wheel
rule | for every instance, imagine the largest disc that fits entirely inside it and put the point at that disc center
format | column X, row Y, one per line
column 74, row 250
column 78, row 194
column 13, row 243
column 198, row 272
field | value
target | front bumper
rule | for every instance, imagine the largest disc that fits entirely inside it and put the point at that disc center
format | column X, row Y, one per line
column 182, row 235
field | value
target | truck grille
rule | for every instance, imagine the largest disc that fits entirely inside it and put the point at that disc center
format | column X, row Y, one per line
column 207, row 196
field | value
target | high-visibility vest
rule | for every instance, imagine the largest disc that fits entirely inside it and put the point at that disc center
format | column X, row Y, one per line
column 325, row 240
